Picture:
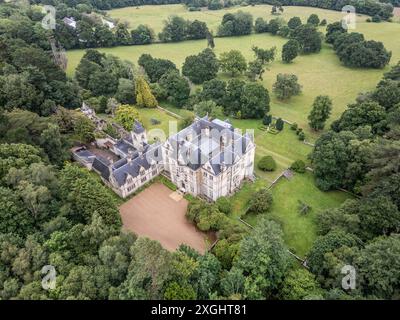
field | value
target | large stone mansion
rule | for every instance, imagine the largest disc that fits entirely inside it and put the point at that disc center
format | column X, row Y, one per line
column 209, row 159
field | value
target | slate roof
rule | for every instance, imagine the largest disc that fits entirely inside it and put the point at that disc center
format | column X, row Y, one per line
column 85, row 155
column 137, row 127
column 205, row 148
column 226, row 159
column 124, row 147
column 133, row 166
column 101, row 165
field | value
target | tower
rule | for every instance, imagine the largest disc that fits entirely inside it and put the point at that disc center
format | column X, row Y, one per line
column 139, row 137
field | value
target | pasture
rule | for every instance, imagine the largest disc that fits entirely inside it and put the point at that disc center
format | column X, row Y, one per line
column 320, row 73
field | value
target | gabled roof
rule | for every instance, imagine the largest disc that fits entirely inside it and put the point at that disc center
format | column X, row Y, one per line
column 101, row 165
column 131, row 167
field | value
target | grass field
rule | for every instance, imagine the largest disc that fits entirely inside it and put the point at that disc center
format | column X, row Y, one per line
column 320, row 73
column 299, row 230
column 154, row 15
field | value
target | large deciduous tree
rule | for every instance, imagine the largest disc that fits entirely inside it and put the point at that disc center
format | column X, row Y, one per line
column 321, row 109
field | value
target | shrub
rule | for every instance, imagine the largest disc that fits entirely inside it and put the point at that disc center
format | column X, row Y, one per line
column 302, row 136
column 267, row 163
column 294, row 126
column 298, row 166
column 267, row 120
column 376, row 18
column 279, row 124
column 224, row 205
column 261, row 202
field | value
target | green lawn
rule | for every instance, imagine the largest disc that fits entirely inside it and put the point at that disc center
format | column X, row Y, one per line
column 299, row 230
column 147, row 114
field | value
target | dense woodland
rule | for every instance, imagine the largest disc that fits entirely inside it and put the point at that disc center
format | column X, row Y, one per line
column 54, row 212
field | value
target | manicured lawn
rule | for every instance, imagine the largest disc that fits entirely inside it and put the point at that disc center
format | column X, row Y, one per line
column 146, row 114
column 300, row 230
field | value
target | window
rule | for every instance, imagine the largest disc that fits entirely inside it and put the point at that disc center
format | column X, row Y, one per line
column 143, row 179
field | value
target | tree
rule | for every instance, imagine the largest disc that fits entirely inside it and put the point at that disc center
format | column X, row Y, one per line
column 126, row 116
column 279, row 124
column 144, row 96
column 209, row 108
column 298, row 284
column 387, row 94
column 103, row 83
column 205, row 215
column 255, row 70
column 85, row 195
column 84, row 129
column 254, row 101
column 274, row 25
column 339, row 160
column 290, row 51
column 149, row 271
column 233, row 62
column 263, row 259
column 142, row 35
column 260, row 25
column 260, row 202
column 53, row 144
column 267, row 163
column 175, row 29
column 14, row 218
column 294, row 22
column 320, row 112
column 313, row 19
column 308, row 38
column 378, row 215
column 125, row 92
column 264, row 55
column 325, row 244
column 267, row 120
column 210, row 40
column 196, row 30
column 201, row 67
column 239, row 23
column 286, row 86
column 362, row 114
column 155, row 68
column 378, row 267
column 214, row 90
column 224, row 205
column 122, row 36
column 354, row 51
column 333, row 30
column 233, row 94
column 298, row 166
column 175, row 291
column 176, row 87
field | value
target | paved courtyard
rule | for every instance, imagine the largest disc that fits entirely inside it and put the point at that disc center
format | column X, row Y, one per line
column 159, row 214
